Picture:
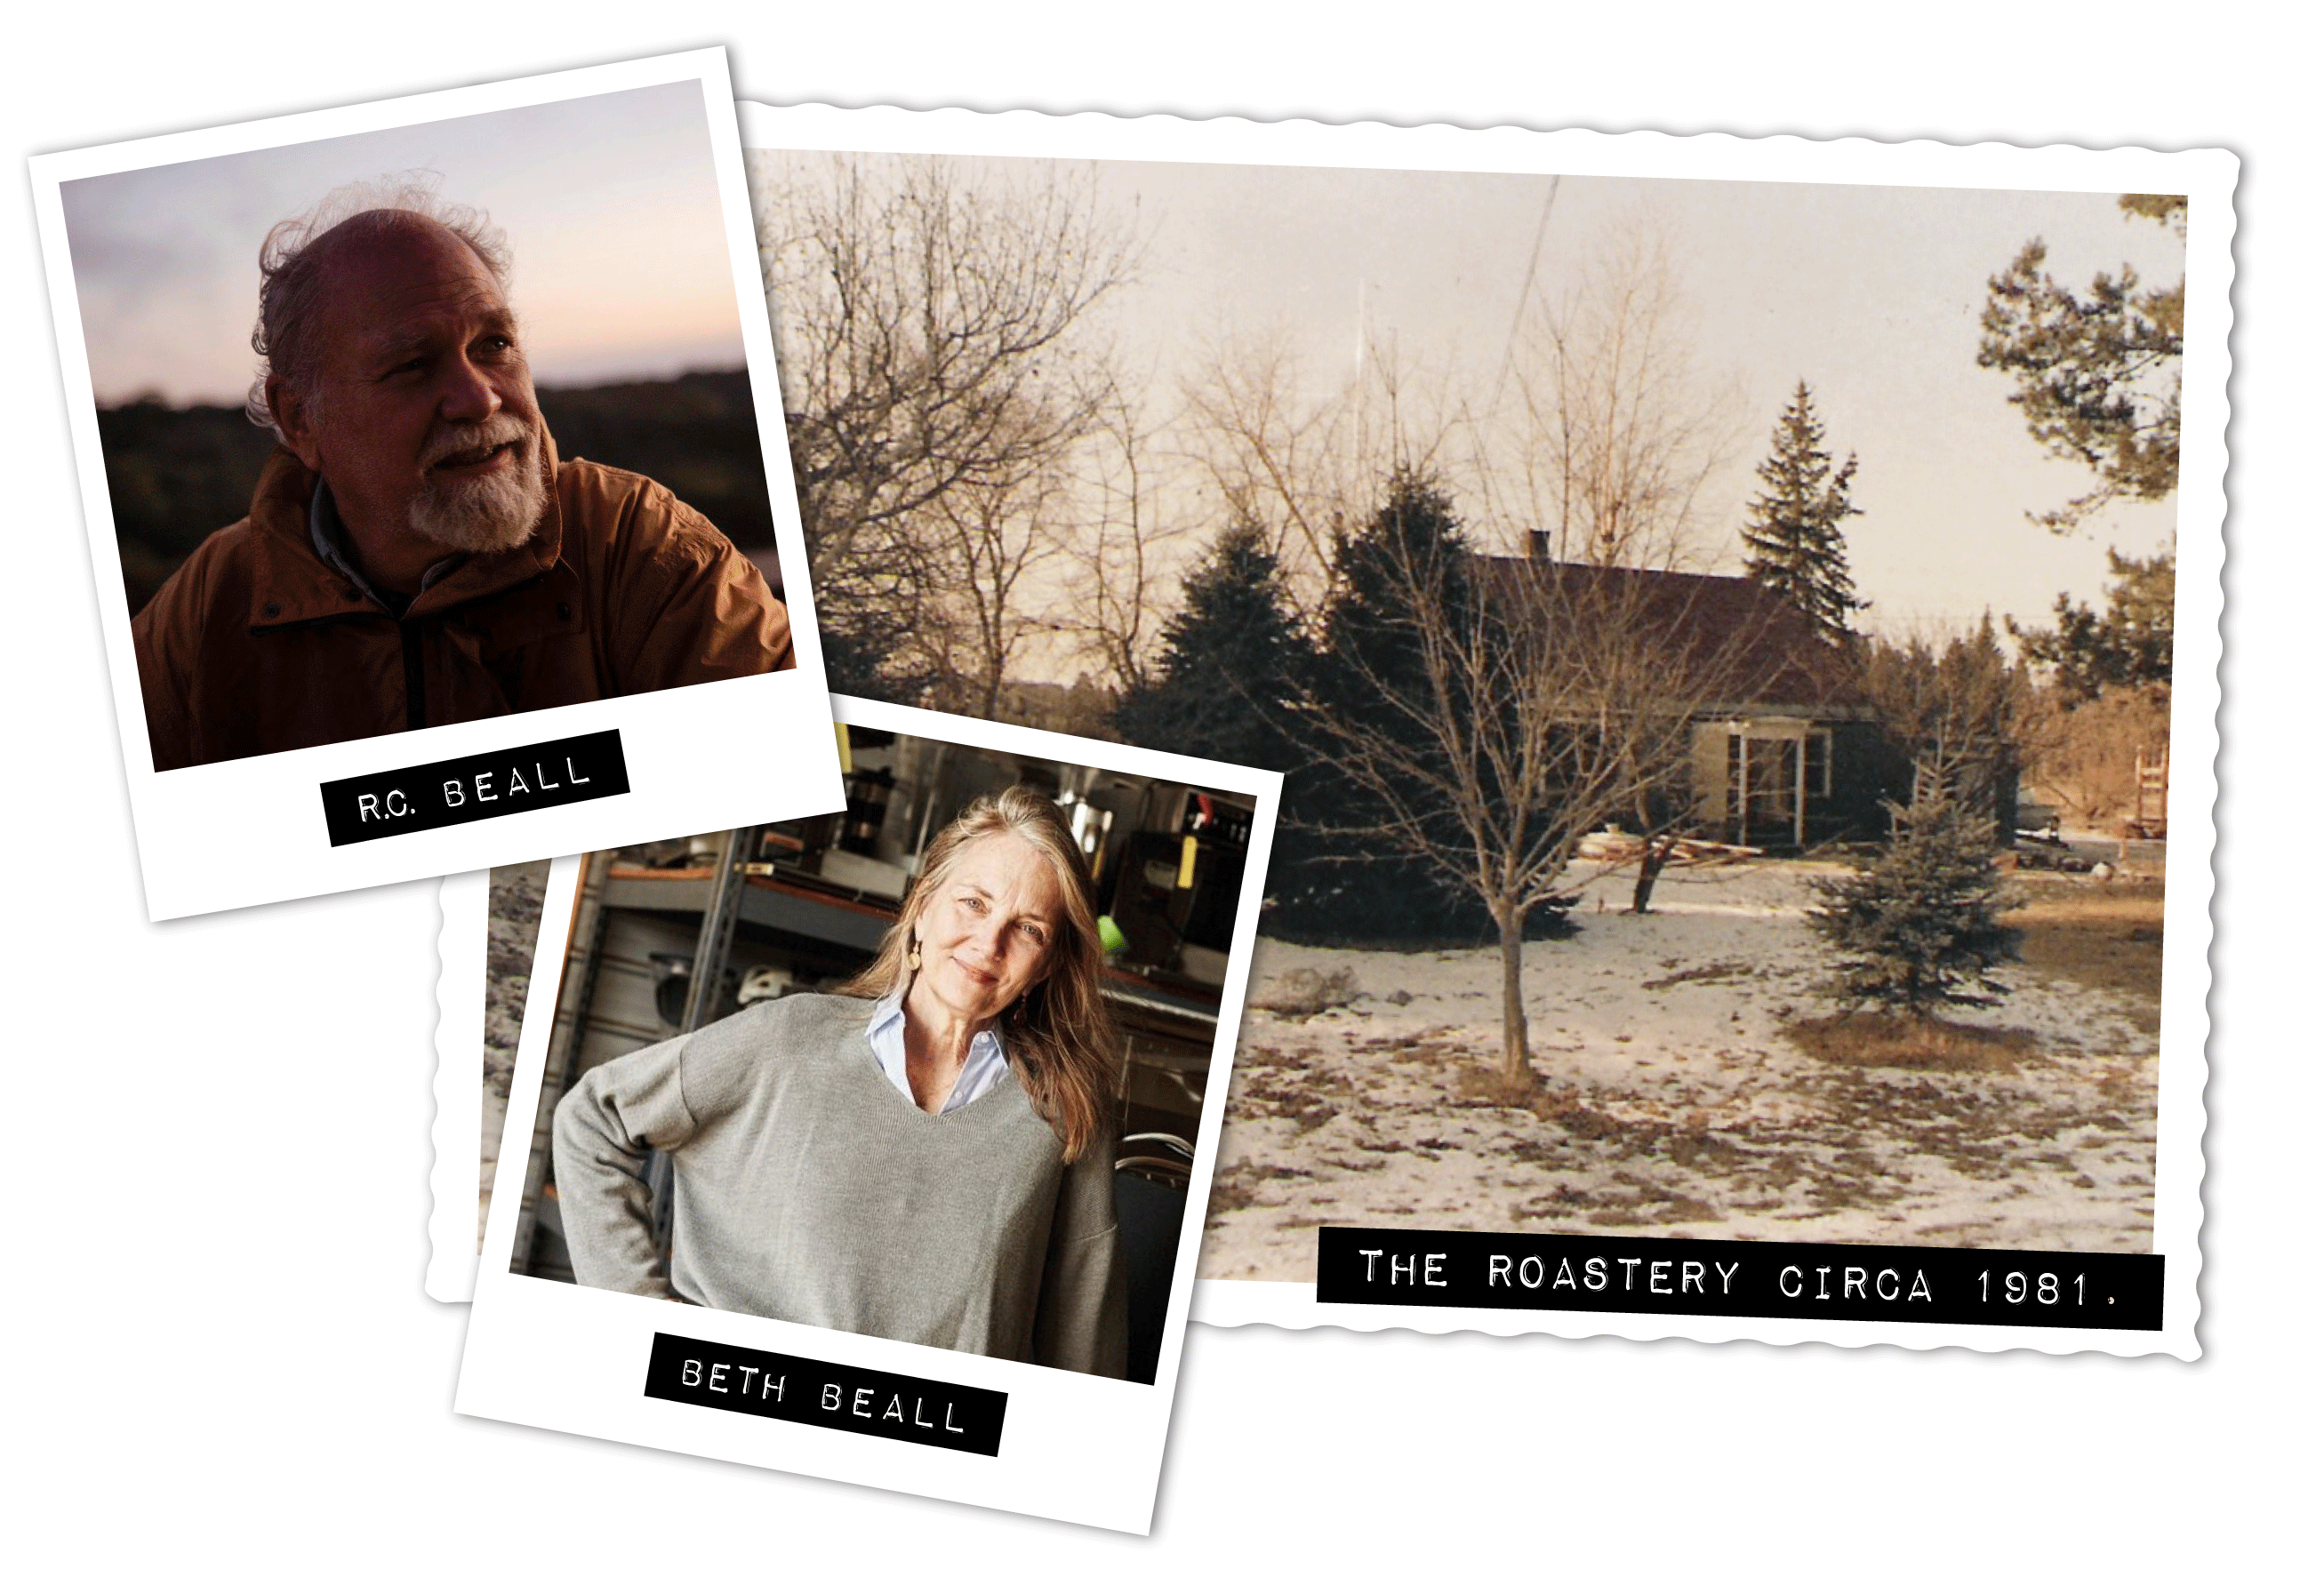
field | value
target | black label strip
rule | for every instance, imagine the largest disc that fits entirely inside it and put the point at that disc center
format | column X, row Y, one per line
column 825, row 1396
column 1690, row 1276
column 465, row 788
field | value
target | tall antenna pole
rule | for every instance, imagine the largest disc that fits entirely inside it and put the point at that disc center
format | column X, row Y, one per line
column 1524, row 294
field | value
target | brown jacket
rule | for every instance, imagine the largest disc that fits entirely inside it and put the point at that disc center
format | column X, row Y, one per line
column 255, row 645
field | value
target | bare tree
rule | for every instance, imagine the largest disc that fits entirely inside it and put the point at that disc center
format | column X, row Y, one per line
column 2085, row 758
column 1125, row 549
column 1300, row 466
column 1619, row 435
column 941, row 363
column 1510, row 707
column 987, row 542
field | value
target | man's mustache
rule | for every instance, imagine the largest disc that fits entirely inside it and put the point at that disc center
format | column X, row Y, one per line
column 471, row 443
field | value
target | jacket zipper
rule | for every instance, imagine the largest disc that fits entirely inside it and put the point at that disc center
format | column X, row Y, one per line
column 415, row 677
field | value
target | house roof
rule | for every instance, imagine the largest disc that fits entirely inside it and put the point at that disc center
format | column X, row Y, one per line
column 1764, row 652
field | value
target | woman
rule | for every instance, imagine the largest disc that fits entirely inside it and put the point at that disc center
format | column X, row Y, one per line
column 929, row 1158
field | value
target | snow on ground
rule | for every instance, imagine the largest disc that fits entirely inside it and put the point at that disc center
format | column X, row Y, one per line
column 1673, row 1106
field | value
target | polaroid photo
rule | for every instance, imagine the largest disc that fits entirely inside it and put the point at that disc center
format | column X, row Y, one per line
column 1739, row 622
column 862, row 1145
column 480, row 546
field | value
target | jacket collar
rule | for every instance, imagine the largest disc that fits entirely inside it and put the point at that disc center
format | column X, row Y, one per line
column 292, row 585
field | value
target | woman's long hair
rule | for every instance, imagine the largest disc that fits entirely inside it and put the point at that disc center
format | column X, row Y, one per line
column 1060, row 1036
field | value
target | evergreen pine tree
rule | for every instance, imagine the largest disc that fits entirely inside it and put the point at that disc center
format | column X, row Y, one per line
column 1412, row 544
column 2096, row 374
column 1959, row 711
column 2128, row 646
column 1797, row 546
column 1921, row 926
column 1225, row 682
column 1367, row 670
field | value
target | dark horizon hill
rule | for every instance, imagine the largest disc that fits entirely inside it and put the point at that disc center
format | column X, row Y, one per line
column 176, row 473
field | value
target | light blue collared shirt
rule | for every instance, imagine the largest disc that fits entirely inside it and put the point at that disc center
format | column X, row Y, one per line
column 987, row 1064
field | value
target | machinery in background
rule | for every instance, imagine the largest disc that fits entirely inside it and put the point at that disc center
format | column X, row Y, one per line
column 672, row 936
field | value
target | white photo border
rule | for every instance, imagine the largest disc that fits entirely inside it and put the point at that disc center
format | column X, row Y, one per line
column 719, row 754
column 1077, row 1447
column 2206, row 176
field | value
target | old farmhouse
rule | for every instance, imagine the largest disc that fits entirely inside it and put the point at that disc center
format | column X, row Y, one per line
column 1788, row 753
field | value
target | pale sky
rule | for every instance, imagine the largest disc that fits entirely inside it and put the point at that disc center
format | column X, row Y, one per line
column 1870, row 293
column 622, row 268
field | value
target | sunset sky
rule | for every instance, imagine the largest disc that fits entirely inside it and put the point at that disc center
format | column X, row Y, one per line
column 621, row 265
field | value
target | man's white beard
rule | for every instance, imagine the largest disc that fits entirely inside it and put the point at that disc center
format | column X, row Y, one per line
column 481, row 514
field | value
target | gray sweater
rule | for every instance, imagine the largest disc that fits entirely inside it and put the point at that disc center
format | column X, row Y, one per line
column 810, row 1189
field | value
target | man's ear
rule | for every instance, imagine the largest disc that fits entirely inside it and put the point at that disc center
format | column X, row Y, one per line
column 293, row 420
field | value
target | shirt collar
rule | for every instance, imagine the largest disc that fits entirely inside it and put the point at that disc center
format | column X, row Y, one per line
column 328, row 534
column 886, row 1033
column 889, row 1012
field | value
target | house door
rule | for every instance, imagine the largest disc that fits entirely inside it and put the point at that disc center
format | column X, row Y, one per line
column 1763, row 793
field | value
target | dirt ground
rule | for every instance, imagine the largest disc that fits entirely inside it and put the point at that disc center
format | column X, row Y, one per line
column 1676, row 1102
column 2107, row 936
column 514, row 931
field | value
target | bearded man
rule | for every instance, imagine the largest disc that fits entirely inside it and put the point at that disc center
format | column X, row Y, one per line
column 416, row 553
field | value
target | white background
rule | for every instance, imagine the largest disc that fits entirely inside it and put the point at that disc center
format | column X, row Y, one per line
column 218, row 1341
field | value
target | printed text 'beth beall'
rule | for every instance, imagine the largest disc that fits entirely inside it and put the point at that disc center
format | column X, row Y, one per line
column 826, row 1396
column 1695, row 1275
column 502, row 782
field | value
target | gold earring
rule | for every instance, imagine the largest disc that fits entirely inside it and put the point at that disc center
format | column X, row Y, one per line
column 912, row 959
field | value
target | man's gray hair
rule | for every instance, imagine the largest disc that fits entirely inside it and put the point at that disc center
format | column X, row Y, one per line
column 292, row 268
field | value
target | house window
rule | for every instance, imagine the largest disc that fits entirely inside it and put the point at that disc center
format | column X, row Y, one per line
column 1818, row 763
